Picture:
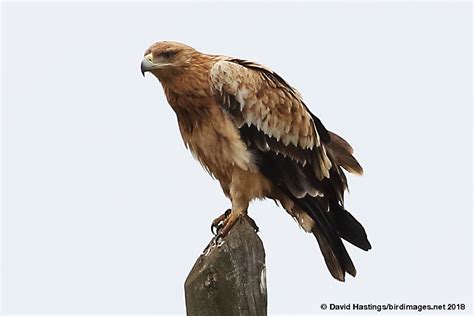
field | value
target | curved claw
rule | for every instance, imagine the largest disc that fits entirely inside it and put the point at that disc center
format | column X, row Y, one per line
column 217, row 224
column 217, row 239
column 252, row 223
column 214, row 229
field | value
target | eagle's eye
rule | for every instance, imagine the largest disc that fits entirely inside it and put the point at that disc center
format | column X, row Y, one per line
column 168, row 54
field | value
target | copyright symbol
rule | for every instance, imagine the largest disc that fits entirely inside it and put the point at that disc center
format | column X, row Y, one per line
column 324, row 306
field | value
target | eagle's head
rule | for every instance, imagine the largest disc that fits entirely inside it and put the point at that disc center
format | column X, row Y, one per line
column 167, row 59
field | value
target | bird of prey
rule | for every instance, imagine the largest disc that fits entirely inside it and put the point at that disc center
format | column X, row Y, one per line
column 253, row 132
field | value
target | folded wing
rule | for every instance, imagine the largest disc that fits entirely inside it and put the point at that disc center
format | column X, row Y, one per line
column 258, row 98
column 295, row 151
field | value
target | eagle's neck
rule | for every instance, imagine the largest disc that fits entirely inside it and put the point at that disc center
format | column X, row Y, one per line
column 189, row 94
column 192, row 107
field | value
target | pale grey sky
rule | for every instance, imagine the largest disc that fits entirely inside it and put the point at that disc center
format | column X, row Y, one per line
column 105, row 211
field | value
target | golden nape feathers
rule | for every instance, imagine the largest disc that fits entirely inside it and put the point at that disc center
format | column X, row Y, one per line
column 253, row 132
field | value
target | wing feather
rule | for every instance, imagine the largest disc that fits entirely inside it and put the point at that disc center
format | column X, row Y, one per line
column 256, row 96
column 294, row 151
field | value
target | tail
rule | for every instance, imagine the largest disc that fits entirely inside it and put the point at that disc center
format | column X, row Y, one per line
column 331, row 223
column 315, row 202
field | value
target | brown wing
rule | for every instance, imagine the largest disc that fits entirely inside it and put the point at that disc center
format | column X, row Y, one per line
column 294, row 150
column 257, row 97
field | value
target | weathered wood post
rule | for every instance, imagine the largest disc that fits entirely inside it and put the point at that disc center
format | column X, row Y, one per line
column 229, row 278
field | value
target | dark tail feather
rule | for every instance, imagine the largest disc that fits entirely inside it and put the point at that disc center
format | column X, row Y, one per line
column 350, row 229
column 338, row 264
column 335, row 254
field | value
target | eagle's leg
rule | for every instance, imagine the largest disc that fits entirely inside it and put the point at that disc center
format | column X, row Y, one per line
column 219, row 223
column 230, row 221
column 231, row 218
column 244, row 187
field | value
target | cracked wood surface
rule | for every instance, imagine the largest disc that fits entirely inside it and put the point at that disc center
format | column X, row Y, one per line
column 229, row 278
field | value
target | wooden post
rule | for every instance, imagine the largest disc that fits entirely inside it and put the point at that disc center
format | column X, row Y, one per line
column 229, row 278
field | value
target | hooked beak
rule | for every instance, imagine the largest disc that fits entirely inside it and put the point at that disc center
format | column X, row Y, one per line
column 147, row 64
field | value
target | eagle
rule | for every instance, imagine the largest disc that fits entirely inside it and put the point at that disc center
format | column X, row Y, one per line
column 253, row 132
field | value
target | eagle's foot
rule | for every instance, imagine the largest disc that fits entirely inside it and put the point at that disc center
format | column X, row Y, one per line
column 218, row 223
column 229, row 222
column 224, row 223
